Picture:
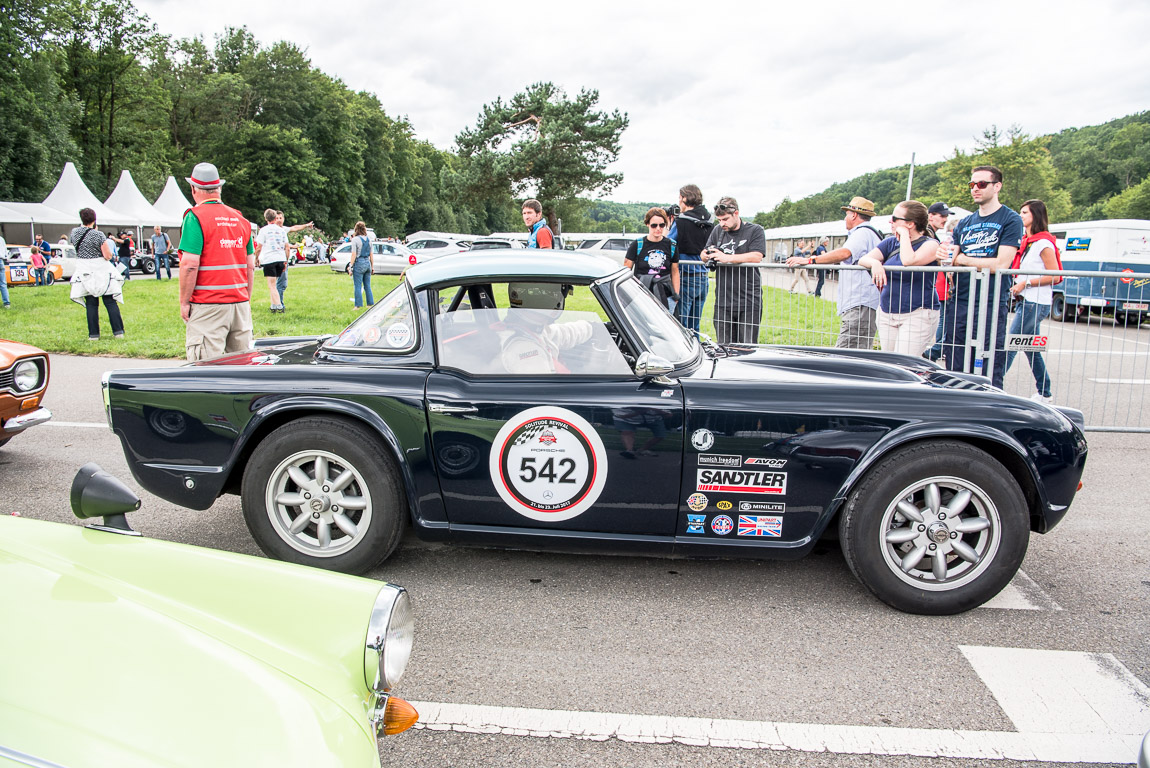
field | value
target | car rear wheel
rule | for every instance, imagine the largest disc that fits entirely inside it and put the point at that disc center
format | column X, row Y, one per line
column 321, row 491
column 49, row 278
column 148, row 266
column 935, row 528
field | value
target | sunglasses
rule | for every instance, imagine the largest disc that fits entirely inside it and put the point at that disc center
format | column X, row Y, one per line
column 981, row 184
column 900, row 218
column 657, row 224
column 725, row 209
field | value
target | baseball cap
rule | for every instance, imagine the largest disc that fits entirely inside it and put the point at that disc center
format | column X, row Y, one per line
column 938, row 208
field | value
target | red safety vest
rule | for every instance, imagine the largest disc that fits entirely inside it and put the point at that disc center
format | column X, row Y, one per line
column 223, row 274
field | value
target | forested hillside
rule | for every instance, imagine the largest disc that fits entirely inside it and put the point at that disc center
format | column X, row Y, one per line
column 1096, row 172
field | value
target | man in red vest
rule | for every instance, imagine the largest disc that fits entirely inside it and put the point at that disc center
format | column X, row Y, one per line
column 217, row 267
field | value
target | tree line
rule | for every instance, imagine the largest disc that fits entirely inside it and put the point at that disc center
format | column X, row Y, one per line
column 1082, row 174
column 95, row 82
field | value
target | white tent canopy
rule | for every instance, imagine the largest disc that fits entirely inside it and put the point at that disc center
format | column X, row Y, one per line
column 127, row 199
column 70, row 195
column 171, row 203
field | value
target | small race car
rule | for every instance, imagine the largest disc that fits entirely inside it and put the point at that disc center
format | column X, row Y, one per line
column 516, row 401
column 19, row 270
column 24, row 373
column 201, row 657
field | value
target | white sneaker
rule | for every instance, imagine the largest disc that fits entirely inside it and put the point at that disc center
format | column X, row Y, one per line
column 1039, row 398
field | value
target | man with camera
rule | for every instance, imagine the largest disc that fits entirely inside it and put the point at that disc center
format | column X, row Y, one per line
column 738, row 290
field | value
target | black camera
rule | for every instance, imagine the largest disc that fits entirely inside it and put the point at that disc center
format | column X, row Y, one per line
column 673, row 209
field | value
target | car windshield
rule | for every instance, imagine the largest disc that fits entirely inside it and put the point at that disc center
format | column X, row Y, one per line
column 389, row 326
column 657, row 329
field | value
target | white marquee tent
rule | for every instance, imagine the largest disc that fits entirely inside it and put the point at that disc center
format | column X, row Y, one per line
column 127, row 200
column 171, row 203
column 71, row 194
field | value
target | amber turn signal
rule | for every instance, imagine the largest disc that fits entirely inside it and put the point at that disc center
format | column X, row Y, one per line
column 1080, row 485
column 398, row 716
column 30, row 403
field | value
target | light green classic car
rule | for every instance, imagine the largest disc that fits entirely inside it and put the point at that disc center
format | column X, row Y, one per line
column 124, row 651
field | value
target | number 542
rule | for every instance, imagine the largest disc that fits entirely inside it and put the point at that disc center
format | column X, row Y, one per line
column 529, row 474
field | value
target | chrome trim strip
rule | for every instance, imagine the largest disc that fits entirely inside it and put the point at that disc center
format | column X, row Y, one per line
column 23, row 758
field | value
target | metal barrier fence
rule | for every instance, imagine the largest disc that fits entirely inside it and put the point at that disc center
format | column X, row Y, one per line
column 1095, row 358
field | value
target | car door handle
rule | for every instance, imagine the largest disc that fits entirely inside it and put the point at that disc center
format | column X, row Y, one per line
column 441, row 408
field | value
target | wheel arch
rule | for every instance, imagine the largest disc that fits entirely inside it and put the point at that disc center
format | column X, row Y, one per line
column 1001, row 447
column 278, row 414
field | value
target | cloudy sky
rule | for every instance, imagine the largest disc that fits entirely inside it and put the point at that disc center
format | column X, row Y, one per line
column 759, row 100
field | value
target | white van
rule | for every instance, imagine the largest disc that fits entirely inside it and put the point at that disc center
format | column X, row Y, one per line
column 1121, row 246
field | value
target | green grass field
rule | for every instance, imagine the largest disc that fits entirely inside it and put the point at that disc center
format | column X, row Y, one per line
column 317, row 301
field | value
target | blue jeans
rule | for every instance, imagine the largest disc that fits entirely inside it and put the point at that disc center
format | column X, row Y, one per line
column 162, row 262
column 281, row 283
column 41, row 276
column 3, row 283
column 361, row 279
column 692, row 293
column 1027, row 321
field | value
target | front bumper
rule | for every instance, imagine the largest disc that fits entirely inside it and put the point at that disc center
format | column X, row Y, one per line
column 26, row 420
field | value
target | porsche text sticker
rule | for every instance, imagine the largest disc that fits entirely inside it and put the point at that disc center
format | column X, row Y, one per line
column 548, row 464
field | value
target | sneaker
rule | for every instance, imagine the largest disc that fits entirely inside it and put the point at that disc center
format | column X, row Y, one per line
column 7, row 305
column 117, row 335
column 627, row 454
column 1040, row 398
column 90, row 338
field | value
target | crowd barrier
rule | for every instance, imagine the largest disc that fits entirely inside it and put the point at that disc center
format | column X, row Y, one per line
column 1096, row 358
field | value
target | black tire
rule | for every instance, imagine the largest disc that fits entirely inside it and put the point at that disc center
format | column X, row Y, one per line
column 4, row 441
column 1131, row 319
column 49, row 278
column 1058, row 308
column 889, row 552
column 293, row 453
column 148, row 265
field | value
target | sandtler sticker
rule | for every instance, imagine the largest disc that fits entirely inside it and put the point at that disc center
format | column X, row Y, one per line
column 398, row 335
column 722, row 525
column 548, row 463
column 697, row 502
column 702, row 439
column 741, row 481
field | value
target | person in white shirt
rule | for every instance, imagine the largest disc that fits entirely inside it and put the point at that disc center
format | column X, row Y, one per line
column 4, row 273
column 1039, row 252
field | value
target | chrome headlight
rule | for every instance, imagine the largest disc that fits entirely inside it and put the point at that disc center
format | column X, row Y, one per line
column 390, row 633
column 27, row 376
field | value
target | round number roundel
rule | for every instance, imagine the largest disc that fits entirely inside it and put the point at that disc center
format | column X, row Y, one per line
column 548, row 464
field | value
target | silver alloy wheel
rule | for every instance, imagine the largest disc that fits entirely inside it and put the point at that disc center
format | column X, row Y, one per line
column 318, row 503
column 940, row 533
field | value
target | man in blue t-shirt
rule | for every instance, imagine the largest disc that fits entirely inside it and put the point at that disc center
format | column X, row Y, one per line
column 987, row 239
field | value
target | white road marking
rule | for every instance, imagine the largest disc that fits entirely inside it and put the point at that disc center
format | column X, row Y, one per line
column 1121, row 381
column 745, row 734
column 1063, row 692
column 1022, row 594
column 83, row 424
column 1122, row 339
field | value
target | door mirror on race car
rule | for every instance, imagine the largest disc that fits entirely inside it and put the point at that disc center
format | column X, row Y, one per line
column 652, row 366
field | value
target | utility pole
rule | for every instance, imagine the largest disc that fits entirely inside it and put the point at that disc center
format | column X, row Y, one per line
column 910, row 178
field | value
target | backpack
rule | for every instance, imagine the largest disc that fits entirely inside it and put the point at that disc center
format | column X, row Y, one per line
column 641, row 240
column 364, row 247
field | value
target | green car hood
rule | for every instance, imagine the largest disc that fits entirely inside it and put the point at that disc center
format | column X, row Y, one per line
column 127, row 651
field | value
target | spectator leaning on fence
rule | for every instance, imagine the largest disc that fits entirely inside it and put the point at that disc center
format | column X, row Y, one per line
column 738, row 290
column 694, row 225
column 858, row 298
column 908, row 302
column 987, row 239
column 1038, row 252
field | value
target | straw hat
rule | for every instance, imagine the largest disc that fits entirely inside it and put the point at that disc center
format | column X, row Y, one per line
column 860, row 205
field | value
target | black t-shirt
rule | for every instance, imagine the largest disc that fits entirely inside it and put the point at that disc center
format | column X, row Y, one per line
column 125, row 247
column 737, row 284
column 656, row 258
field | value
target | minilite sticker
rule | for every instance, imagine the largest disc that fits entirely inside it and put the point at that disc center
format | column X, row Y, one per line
column 702, row 439
column 722, row 525
column 398, row 335
column 548, row 464
column 776, row 507
column 741, row 481
column 697, row 502
column 760, row 525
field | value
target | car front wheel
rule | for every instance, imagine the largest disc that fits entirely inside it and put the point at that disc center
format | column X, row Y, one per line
column 935, row 528
column 148, row 266
column 321, row 491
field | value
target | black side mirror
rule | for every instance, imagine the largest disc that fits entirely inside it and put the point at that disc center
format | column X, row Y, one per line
column 95, row 493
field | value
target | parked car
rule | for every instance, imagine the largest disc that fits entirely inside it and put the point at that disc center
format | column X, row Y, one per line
column 64, row 256
column 387, row 258
column 24, row 374
column 489, row 244
column 555, row 404
column 611, row 247
column 434, row 247
column 206, row 657
column 19, row 271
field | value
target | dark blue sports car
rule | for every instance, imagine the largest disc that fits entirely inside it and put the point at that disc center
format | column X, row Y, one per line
column 547, row 401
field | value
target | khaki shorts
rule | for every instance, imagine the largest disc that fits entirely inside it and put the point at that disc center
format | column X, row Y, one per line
column 217, row 329
column 857, row 327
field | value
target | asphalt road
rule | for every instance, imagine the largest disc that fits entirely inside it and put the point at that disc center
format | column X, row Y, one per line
column 798, row 643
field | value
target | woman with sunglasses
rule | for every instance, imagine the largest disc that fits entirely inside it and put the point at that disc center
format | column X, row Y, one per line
column 1038, row 252
column 655, row 259
column 908, row 303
